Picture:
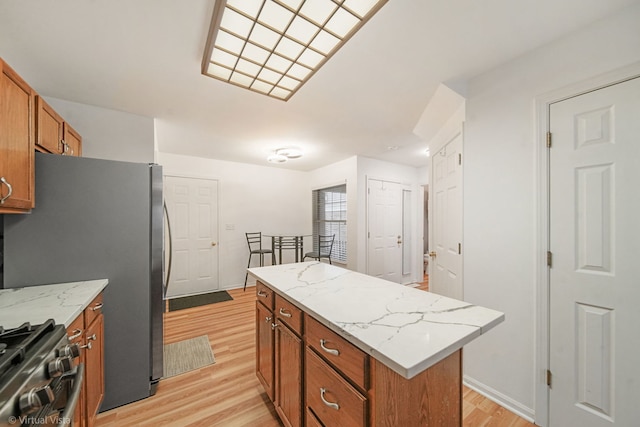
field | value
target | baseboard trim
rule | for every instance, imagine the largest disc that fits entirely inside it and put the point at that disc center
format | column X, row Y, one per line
column 499, row 398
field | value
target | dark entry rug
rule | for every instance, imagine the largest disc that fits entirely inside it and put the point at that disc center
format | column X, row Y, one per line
column 198, row 300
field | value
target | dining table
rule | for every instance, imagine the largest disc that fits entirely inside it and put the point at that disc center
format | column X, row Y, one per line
column 295, row 242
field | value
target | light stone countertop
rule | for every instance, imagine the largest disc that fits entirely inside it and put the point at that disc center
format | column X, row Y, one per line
column 62, row 302
column 407, row 329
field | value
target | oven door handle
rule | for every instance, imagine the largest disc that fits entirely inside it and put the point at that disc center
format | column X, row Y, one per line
column 66, row 420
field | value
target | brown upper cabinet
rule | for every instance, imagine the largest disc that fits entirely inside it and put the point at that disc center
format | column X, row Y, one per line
column 53, row 134
column 27, row 123
column 16, row 142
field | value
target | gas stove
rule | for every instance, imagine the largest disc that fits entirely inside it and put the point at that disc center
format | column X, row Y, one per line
column 40, row 380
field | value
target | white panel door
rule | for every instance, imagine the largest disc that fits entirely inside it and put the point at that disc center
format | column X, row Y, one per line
column 384, row 213
column 445, row 268
column 192, row 206
column 595, row 271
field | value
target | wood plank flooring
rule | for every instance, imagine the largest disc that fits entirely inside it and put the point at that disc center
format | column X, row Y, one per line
column 228, row 394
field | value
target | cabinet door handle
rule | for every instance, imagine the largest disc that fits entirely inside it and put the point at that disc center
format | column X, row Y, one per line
column 268, row 319
column 284, row 313
column 326, row 402
column 88, row 346
column 5, row 182
column 76, row 334
column 97, row 307
column 262, row 294
column 274, row 326
column 92, row 337
column 329, row 350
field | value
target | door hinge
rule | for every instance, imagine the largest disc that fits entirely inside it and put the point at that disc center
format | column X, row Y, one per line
column 459, row 158
column 549, row 377
column 459, row 248
column 549, row 258
column 548, row 139
column 368, row 234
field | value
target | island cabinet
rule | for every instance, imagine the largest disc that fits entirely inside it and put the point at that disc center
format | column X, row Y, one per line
column 16, row 142
column 323, row 380
column 265, row 349
column 288, row 356
column 87, row 330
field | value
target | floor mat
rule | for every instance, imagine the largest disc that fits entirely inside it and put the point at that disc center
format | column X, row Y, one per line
column 198, row 300
column 184, row 356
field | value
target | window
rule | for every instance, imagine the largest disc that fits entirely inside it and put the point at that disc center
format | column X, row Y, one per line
column 330, row 217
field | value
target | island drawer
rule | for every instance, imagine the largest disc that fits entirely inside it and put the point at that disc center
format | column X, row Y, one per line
column 311, row 420
column 337, row 351
column 330, row 397
column 264, row 295
column 93, row 310
column 289, row 314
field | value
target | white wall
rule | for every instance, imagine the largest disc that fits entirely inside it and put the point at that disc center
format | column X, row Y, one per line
column 411, row 176
column 338, row 173
column 500, row 195
column 109, row 134
column 251, row 198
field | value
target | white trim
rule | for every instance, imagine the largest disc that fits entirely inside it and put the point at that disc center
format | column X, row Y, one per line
column 541, row 126
column 452, row 133
column 325, row 186
column 499, row 398
column 218, row 193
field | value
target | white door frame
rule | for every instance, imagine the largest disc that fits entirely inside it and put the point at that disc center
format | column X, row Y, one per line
column 408, row 278
column 208, row 178
column 542, row 106
column 451, row 134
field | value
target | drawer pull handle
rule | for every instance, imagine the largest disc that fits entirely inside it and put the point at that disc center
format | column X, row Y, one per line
column 76, row 334
column 329, row 350
column 326, row 402
column 97, row 307
column 262, row 294
column 284, row 313
column 9, row 187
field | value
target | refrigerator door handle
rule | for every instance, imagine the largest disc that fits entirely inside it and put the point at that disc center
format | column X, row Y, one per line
column 170, row 240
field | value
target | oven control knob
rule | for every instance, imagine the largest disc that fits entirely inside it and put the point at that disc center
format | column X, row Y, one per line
column 69, row 350
column 59, row 366
column 35, row 399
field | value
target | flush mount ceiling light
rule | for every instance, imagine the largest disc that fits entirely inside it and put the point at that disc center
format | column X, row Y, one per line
column 274, row 46
column 281, row 155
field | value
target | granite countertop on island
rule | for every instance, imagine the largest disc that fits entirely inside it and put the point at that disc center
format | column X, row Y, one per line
column 62, row 302
column 407, row 329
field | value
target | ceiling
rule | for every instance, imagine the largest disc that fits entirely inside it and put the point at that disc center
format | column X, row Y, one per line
column 144, row 57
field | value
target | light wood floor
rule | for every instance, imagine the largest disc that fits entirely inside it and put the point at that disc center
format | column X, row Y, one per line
column 228, row 393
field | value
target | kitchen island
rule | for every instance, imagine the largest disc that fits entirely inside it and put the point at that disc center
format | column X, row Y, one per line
column 367, row 352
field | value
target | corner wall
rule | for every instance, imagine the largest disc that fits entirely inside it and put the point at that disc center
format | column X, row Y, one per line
column 500, row 191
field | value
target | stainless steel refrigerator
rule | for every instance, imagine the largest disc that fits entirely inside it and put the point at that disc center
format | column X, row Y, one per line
column 100, row 219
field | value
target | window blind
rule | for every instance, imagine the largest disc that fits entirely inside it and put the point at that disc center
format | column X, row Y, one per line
column 330, row 217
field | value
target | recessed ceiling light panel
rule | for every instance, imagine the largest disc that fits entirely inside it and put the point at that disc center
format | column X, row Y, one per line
column 256, row 44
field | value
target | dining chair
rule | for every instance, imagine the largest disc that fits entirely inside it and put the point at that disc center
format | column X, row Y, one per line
column 254, row 240
column 325, row 246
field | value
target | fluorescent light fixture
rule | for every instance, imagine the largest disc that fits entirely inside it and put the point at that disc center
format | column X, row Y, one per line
column 274, row 46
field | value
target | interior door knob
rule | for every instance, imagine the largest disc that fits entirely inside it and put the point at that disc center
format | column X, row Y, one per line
column 213, row 243
column 432, row 254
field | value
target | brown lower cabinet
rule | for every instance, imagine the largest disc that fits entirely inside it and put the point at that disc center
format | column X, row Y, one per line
column 87, row 330
column 319, row 379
